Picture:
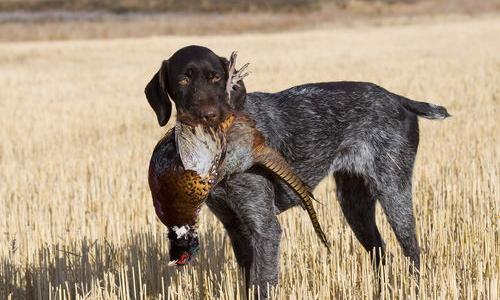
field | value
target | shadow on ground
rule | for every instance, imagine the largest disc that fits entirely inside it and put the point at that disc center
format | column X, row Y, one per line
column 141, row 261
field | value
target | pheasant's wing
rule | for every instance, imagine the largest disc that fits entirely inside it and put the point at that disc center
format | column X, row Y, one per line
column 200, row 149
column 274, row 162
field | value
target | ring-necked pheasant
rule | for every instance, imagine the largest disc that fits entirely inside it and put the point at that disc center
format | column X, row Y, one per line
column 204, row 157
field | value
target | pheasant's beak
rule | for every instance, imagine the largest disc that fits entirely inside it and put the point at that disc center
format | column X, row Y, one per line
column 183, row 260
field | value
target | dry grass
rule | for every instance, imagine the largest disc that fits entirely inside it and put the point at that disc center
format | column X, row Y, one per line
column 75, row 211
column 65, row 25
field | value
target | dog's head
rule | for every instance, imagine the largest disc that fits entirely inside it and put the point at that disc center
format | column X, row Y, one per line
column 194, row 78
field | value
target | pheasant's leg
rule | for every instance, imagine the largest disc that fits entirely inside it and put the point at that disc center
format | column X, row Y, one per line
column 257, row 234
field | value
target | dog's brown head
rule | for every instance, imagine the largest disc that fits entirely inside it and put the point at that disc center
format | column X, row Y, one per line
column 195, row 79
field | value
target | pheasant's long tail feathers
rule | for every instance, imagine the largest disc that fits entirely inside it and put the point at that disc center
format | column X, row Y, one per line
column 274, row 162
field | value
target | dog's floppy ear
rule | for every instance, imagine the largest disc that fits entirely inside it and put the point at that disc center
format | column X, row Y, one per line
column 157, row 94
column 239, row 92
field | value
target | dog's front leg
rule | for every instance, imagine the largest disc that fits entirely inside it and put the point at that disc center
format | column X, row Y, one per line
column 245, row 205
column 263, row 271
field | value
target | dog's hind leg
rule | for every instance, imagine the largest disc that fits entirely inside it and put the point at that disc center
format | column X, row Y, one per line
column 358, row 206
column 396, row 200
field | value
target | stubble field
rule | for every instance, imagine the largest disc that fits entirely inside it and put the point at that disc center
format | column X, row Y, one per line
column 76, row 132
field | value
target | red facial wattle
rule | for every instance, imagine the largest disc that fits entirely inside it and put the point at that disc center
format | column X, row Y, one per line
column 183, row 259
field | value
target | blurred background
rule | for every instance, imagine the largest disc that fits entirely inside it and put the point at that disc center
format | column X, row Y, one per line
column 83, row 19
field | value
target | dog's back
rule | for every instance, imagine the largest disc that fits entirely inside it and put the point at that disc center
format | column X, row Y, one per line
column 322, row 128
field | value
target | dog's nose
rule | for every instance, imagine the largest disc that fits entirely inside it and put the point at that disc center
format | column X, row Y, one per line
column 210, row 114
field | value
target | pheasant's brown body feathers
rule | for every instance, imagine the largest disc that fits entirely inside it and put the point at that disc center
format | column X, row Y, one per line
column 184, row 184
column 234, row 147
column 182, row 197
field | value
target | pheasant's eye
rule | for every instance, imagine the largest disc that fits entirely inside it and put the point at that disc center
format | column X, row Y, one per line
column 184, row 81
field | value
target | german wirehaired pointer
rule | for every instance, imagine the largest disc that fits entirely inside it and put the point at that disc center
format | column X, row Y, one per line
column 364, row 135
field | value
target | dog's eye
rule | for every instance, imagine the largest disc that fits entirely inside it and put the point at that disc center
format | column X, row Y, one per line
column 184, row 81
column 215, row 78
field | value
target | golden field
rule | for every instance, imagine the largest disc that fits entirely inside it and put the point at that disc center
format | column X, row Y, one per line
column 76, row 131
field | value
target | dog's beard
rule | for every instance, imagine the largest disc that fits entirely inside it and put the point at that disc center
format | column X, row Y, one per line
column 193, row 119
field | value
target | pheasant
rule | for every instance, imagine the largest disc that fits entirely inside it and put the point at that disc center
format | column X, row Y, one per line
column 204, row 157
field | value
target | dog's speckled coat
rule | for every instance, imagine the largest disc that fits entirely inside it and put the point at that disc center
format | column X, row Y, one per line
column 364, row 135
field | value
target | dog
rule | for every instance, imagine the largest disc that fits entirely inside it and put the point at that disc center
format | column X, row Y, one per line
column 362, row 134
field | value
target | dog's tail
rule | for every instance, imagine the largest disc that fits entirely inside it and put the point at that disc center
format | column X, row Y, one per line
column 424, row 109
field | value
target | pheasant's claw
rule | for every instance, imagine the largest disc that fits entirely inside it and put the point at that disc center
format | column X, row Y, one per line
column 233, row 75
column 243, row 68
column 239, row 75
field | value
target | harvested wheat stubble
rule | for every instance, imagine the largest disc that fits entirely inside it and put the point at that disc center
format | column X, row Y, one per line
column 76, row 135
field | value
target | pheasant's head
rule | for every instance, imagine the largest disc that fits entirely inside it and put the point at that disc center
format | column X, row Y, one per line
column 183, row 244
